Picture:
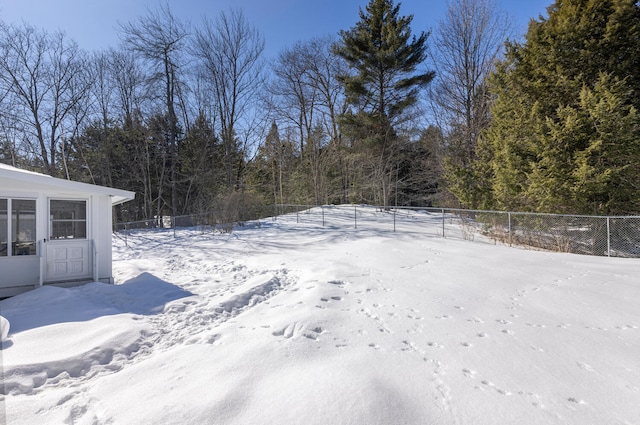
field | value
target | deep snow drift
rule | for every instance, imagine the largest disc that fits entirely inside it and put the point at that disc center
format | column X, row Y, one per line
column 291, row 323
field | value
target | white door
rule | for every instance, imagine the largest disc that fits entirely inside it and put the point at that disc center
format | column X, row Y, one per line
column 68, row 260
column 68, row 250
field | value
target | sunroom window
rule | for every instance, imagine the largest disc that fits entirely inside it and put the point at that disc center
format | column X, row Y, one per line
column 18, row 235
column 4, row 228
column 68, row 219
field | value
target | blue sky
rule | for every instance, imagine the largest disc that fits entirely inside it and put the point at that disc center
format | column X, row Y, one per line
column 282, row 22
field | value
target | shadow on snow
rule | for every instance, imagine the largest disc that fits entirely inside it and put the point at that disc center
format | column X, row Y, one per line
column 50, row 305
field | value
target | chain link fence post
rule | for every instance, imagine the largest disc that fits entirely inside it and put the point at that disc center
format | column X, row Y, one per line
column 394, row 219
column 355, row 216
column 608, row 237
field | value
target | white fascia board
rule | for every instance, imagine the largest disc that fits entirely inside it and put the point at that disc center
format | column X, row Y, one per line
column 45, row 182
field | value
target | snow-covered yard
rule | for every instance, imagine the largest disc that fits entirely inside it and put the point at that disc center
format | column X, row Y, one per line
column 292, row 323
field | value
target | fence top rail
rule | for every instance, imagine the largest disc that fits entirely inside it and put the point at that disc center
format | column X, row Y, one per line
column 122, row 223
column 399, row 207
column 462, row 210
column 303, row 205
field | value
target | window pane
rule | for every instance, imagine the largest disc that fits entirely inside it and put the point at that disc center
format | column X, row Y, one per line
column 68, row 219
column 67, row 229
column 23, row 227
column 4, row 228
column 68, row 210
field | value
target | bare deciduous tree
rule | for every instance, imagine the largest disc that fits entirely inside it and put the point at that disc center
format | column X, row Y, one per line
column 306, row 96
column 324, row 68
column 128, row 79
column 467, row 44
column 229, row 50
column 294, row 97
column 160, row 38
column 43, row 76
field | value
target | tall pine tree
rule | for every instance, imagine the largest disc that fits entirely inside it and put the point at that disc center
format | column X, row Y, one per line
column 383, row 56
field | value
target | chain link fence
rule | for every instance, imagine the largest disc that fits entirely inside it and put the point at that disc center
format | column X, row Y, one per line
column 222, row 221
column 580, row 234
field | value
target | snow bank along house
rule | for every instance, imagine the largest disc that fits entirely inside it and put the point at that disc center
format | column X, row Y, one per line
column 53, row 231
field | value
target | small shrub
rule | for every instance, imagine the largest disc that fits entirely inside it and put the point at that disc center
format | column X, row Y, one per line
column 235, row 208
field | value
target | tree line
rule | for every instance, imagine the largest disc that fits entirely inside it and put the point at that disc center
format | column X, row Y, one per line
column 191, row 116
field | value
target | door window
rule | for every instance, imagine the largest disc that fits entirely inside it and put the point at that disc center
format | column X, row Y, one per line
column 68, row 219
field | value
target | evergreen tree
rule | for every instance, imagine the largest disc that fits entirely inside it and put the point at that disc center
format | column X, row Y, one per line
column 420, row 171
column 563, row 134
column 200, row 162
column 273, row 154
column 384, row 84
column 607, row 172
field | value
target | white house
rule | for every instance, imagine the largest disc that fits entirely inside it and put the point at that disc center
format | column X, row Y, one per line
column 53, row 231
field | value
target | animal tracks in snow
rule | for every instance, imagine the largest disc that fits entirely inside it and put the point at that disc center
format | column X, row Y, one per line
column 626, row 327
column 297, row 329
column 484, row 383
column 329, row 299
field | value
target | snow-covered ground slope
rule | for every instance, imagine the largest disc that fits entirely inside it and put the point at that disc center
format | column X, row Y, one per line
column 292, row 323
